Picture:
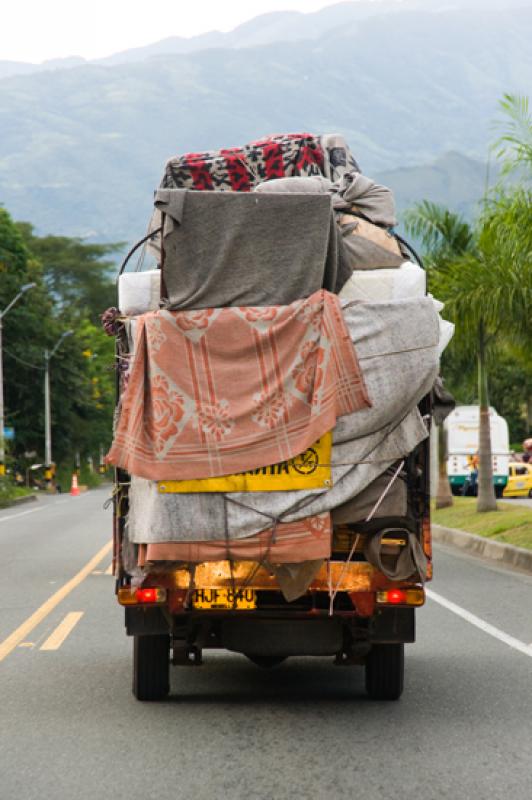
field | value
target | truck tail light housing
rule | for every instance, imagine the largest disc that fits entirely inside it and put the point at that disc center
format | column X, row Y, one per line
column 151, row 595
column 401, row 597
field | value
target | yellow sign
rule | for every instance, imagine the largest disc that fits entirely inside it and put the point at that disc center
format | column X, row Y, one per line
column 310, row 470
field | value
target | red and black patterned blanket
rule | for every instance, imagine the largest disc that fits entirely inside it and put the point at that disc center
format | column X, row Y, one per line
column 239, row 169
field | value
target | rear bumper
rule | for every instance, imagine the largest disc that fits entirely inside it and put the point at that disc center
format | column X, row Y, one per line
column 281, row 635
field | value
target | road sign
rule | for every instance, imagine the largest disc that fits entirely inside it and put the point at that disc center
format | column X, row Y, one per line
column 9, row 434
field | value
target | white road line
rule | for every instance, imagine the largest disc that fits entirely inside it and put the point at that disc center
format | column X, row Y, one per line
column 58, row 636
column 34, row 510
column 109, row 570
column 516, row 644
column 20, row 514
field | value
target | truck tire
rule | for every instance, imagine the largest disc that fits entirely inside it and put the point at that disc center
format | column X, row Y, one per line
column 151, row 667
column 385, row 669
column 266, row 662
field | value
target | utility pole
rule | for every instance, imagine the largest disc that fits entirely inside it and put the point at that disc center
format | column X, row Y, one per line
column 23, row 289
column 48, row 355
column 47, row 413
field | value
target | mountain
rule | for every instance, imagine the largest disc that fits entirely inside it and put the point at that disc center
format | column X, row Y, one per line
column 278, row 26
column 452, row 180
column 83, row 148
column 10, row 68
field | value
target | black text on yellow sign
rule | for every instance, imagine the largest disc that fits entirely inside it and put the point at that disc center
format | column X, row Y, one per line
column 310, row 470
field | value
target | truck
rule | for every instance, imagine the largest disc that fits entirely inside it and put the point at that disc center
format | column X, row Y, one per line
column 462, row 427
column 372, row 619
column 353, row 612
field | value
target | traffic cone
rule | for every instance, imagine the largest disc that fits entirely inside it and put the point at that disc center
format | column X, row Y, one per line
column 74, row 489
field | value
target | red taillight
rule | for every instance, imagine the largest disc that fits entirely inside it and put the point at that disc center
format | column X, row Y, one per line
column 146, row 595
column 401, row 597
column 396, row 596
column 132, row 597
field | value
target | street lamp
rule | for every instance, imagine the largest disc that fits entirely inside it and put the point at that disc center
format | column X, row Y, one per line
column 47, row 413
column 17, row 297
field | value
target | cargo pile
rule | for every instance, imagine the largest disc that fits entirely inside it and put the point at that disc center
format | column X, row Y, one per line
column 274, row 363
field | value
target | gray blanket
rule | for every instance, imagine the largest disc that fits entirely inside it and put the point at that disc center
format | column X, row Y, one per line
column 397, row 345
column 358, row 193
column 246, row 249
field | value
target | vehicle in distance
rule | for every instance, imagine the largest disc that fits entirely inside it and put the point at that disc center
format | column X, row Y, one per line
column 519, row 480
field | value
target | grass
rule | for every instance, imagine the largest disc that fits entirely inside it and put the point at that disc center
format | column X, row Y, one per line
column 9, row 492
column 511, row 523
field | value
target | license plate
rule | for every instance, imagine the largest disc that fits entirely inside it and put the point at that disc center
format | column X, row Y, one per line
column 224, row 599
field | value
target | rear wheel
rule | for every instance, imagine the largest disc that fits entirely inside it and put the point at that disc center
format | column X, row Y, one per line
column 151, row 667
column 385, row 670
column 267, row 662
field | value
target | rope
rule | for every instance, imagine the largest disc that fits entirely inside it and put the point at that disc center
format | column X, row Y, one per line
column 332, row 596
column 398, row 352
column 275, row 519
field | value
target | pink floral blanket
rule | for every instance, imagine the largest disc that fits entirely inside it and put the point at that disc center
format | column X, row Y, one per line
column 220, row 391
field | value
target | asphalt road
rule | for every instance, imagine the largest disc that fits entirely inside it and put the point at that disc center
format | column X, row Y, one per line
column 70, row 727
column 519, row 501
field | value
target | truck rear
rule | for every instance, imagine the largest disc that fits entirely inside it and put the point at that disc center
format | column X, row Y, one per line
column 339, row 572
column 351, row 612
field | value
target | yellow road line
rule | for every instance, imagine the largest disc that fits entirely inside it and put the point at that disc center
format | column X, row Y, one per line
column 23, row 630
column 109, row 570
column 57, row 637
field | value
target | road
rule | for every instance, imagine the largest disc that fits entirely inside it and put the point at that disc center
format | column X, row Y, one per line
column 519, row 501
column 72, row 730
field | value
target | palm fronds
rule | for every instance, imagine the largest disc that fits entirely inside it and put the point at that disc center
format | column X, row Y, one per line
column 514, row 146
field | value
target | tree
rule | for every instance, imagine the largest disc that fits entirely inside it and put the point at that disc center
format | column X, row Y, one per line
column 445, row 237
column 484, row 275
column 514, row 146
column 78, row 274
column 82, row 375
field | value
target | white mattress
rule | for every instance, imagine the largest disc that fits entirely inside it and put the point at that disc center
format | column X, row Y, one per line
column 381, row 285
column 139, row 292
column 404, row 283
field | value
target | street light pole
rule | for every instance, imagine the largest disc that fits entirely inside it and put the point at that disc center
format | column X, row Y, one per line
column 47, row 407
column 17, row 297
column 47, row 413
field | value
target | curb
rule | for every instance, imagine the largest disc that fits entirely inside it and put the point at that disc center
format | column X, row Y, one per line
column 502, row 553
column 28, row 498
column 19, row 501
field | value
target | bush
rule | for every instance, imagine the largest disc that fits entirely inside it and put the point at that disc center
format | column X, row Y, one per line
column 9, row 492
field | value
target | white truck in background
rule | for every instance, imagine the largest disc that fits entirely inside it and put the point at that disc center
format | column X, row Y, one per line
column 462, row 448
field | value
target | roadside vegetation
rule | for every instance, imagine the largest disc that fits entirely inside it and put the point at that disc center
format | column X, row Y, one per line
column 511, row 523
column 9, row 493
column 483, row 273
column 74, row 283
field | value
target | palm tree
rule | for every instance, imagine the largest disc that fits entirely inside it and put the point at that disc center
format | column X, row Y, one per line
column 485, row 281
column 445, row 237
column 514, row 145
column 484, row 273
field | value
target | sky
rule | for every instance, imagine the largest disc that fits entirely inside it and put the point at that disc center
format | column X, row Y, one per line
column 37, row 30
